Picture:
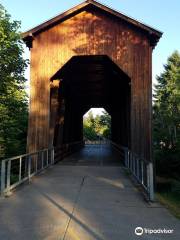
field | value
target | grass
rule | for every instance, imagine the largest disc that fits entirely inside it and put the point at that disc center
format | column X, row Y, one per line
column 170, row 196
column 170, row 201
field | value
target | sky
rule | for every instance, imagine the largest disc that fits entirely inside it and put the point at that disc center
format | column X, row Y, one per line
column 95, row 111
column 163, row 15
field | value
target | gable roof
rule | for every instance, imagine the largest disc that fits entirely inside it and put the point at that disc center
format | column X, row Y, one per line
column 154, row 34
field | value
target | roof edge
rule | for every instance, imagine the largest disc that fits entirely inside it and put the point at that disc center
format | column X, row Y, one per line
column 27, row 36
column 54, row 19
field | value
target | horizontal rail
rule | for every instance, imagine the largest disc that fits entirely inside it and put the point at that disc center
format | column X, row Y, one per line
column 24, row 155
column 96, row 142
column 140, row 168
column 16, row 170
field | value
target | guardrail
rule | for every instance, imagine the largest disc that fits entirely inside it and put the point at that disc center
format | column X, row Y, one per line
column 96, row 142
column 141, row 169
column 16, row 170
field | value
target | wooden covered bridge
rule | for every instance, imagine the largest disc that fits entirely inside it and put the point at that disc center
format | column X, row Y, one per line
column 92, row 56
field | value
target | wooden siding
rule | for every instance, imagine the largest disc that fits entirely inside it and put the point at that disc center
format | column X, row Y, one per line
column 92, row 32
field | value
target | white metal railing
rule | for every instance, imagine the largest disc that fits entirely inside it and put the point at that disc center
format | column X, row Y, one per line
column 141, row 169
column 17, row 170
column 99, row 141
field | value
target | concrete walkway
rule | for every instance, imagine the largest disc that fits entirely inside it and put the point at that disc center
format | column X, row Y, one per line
column 86, row 197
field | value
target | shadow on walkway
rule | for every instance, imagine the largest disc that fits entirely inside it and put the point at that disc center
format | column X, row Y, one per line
column 87, row 196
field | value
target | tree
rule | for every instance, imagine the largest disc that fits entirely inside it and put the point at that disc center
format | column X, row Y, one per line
column 13, row 97
column 105, row 122
column 166, row 113
column 99, row 125
column 89, row 127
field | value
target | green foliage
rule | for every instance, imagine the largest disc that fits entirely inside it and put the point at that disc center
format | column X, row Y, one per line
column 13, row 98
column 97, row 126
column 166, row 113
column 89, row 127
column 105, row 123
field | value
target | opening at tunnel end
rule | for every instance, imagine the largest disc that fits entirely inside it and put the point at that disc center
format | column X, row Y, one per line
column 96, row 125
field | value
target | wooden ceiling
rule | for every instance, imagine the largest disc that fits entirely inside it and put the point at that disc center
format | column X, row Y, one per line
column 92, row 80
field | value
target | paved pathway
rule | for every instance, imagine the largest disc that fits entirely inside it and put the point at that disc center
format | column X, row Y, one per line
column 85, row 197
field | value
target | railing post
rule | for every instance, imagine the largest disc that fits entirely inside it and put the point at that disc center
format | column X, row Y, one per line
column 126, row 156
column 20, row 166
column 133, row 166
column 47, row 156
column 142, row 172
column 29, row 167
column 8, row 177
column 52, row 156
column 36, row 158
column 150, row 181
column 3, row 176
column 132, row 162
column 42, row 160
column 129, row 166
column 138, row 159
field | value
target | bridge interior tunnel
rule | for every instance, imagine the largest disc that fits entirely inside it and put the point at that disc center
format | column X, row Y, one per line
column 86, row 82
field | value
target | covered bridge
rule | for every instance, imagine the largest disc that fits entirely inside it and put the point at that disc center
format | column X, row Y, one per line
column 91, row 56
